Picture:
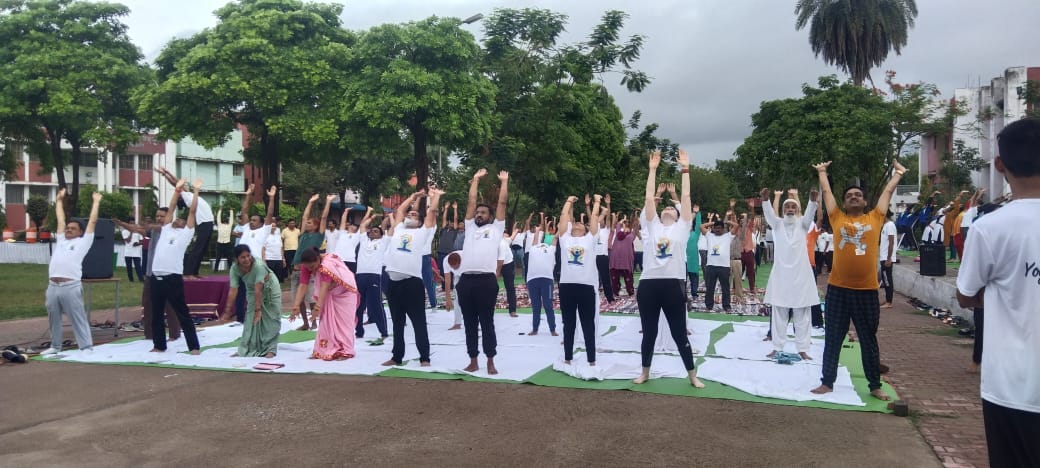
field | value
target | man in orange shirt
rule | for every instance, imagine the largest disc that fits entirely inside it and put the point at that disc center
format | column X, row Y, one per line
column 852, row 290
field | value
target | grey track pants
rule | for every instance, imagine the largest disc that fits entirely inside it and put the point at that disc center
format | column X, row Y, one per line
column 67, row 298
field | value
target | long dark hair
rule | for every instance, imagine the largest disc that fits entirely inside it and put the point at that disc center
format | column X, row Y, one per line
column 239, row 249
column 309, row 255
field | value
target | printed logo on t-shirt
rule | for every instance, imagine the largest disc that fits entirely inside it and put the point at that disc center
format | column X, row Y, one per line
column 852, row 233
column 1032, row 270
column 714, row 251
column 577, row 255
column 664, row 247
column 406, row 240
column 482, row 234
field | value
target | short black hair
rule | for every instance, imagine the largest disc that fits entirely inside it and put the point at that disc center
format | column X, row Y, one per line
column 164, row 209
column 79, row 222
column 718, row 224
column 309, row 255
column 241, row 248
column 1019, row 146
column 485, row 205
column 861, row 189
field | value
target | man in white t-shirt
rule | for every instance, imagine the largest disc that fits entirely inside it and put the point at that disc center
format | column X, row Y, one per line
column 1001, row 271
column 450, row 271
column 410, row 242
column 132, row 254
column 347, row 240
column 64, row 290
column 717, row 270
column 255, row 233
column 478, row 281
column 371, row 255
column 886, row 258
column 203, row 229
column 274, row 254
column 167, row 280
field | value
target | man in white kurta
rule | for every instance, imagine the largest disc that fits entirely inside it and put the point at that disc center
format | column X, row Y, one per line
column 791, row 289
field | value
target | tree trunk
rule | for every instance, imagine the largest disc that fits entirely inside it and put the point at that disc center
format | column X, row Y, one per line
column 422, row 162
column 269, row 165
column 77, row 158
column 58, row 158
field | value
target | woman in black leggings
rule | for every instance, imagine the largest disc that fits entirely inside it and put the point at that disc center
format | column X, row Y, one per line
column 664, row 270
column 578, row 279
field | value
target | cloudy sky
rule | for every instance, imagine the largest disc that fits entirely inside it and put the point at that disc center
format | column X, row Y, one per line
column 712, row 61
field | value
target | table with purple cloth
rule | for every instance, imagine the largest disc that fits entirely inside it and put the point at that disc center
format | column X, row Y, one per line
column 208, row 290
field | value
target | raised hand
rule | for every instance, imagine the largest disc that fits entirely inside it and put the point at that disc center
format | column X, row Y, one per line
column 61, row 193
column 606, row 199
column 572, row 199
column 814, row 195
column 313, row 198
column 96, row 196
column 898, row 167
column 480, row 173
column 180, row 184
column 655, row 160
column 684, row 158
column 196, row 185
column 732, row 203
column 249, row 191
column 822, row 167
column 272, row 191
column 597, row 198
column 696, row 208
column 503, row 175
column 764, row 193
column 434, row 191
column 588, row 199
column 454, row 205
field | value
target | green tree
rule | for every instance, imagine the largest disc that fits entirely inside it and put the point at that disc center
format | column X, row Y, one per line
column 114, row 205
column 67, row 67
column 275, row 67
column 856, row 35
column 957, row 166
column 420, row 79
column 847, row 124
column 36, row 208
column 557, row 129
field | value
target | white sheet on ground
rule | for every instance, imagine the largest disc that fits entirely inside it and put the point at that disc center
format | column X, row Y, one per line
column 786, row 382
column 745, row 342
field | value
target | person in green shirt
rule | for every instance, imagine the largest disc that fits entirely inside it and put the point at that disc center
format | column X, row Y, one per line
column 261, row 328
column 693, row 257
column 312, row 237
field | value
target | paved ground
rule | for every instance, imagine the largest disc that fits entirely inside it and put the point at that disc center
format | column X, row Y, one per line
column 70, row 414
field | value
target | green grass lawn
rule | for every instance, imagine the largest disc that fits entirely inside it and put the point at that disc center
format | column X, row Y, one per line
column 24, row 286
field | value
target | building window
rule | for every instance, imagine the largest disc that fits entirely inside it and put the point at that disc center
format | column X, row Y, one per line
column 145, row 163
column 126, row 161
column 15, row 195
column 236, row 170
column 15, row 149
column 40, row 191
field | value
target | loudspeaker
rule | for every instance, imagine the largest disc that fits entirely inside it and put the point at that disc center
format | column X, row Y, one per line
column 98, row 262
column 933, row 260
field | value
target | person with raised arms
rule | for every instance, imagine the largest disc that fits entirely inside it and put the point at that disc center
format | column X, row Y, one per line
column 478, row 281
column 852, row 288
column 664, row 271
column 313, row 236
column 65, row 271
column 370, row 262
column 203, row 229
column 167, row 281
column 579, row 278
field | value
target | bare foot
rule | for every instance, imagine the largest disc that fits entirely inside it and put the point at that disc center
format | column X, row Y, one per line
column 533, row 333
column 491, row 367
column 304, row 327
column 643, row 377
column 472, row 367
column 513, row 314
column 157, row 350
column 424, row 363
column 194, row 352
column 770, row 355
column 767, row 338
column 880, row 395
column 234, row 355
column 456, row 327
column 269, row 355
column 973, row 368
column 852, row 339
column 592, row 364
column 695, row 381
column 391, row 362
column 367, row 323
column 555, row 334
column 688, row 332
column 566, row 362
column 822, row 389
column 805, row 356
column 886, row 305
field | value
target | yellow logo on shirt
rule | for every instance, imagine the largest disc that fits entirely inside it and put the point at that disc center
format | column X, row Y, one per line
column 664, row 248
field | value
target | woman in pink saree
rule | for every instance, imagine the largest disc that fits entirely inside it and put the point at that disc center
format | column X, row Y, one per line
column 336, row 304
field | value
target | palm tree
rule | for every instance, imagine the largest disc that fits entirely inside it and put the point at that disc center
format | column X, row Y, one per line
column 856, row 35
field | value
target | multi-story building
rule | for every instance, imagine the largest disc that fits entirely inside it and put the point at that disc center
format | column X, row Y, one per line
column 132, row 172
column 989, row 108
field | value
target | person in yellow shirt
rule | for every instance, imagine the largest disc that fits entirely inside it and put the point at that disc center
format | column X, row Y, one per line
column 852, row 289
column 290, row 240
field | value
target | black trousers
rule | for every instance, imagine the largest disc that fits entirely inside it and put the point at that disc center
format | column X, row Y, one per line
column 194, row 259
column 694, row 282
column 240, row 302
column 578, row 301
column 713, row 274
column 638, row 263
column 352, row 266
column 1011, row 436
column 509, row 280
column 556, row 269
column 976, row 352
column 131, row 263
column 478, row 293
column 885, row 278
column 169, row 289
column 227, row 251
column 603, row 268
column 407, row 298
column 653, row 296
column 862, row 308
column 290, row 255
column 276, row 267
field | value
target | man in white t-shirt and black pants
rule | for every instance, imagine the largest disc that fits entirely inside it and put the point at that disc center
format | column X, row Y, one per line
column 1001, row 270
column 167, row 280
column 410, row 242
column 64, row 290
column 132, row 254
column 717, row 269
column 478, row 282
column 203, row 230
column 887, row 257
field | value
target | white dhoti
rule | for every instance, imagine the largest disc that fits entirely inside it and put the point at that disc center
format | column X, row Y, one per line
column 802, row 327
